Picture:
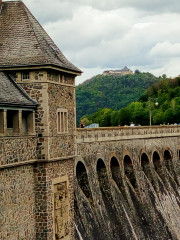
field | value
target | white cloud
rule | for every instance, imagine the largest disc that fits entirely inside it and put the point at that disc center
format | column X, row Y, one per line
column 98, row 35
column 166, row 50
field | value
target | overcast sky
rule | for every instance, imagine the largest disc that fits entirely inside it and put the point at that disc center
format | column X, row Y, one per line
column 96, row 35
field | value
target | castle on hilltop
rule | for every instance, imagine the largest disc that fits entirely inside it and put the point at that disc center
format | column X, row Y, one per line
column 121, row 72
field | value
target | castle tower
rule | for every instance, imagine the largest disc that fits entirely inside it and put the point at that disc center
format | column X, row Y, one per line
column 30, row 56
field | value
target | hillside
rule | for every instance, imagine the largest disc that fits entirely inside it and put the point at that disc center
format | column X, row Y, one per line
column 166, row 92
column 111, row 92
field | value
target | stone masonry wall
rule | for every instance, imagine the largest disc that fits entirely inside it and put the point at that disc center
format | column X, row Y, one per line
column 51, row 146
column 17, row 198
column 62, row 144
column 32, row 210
column 124, row 175
column 17, row 149
column 38, row 91
column 17, row 203
column 45, row 174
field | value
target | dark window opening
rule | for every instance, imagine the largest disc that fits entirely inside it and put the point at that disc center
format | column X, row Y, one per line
column 25, row 76
column 10, row 116
column 27, row 121
column 13, row 121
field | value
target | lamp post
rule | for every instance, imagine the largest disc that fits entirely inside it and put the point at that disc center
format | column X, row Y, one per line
column 156, row 104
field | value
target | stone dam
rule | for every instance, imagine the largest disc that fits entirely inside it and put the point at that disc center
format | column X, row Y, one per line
column 127, row 183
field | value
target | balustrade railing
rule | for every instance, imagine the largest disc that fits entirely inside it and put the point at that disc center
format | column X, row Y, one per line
column 116, row 133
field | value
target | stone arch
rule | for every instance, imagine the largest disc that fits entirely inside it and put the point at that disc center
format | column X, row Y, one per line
column 169, row 164
column 144, row 160
column 83, row 181
column 116, row 173
column 145, row 165
column 113, row 219
column 102, row 175
column 168, row 159
column 156, row 160
column 129, row 171
column 127, row 153
column 167, row 155
column 101, row 168
column 116, row 156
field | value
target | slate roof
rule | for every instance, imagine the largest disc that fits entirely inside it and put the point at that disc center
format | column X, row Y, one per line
column 13, row 95
column 23, row 41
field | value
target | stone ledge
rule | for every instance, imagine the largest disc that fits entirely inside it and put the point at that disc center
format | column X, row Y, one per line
column 17, row 164
column 130, row 137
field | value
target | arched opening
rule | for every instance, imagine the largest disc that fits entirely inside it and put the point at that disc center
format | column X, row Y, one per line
column 115, row 223
column 167, row 155
column 116, row 174
column 168, row 160
column 157, row 184
column 146, row 166
column 156, row 161
column 82, row 179
column 169, row 165
column 129, row 171
column 102, row 173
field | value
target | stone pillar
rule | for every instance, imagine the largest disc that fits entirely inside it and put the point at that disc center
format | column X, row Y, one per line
column 3, row 121
column 31, row 122
column 17, row 122
column 20, row 121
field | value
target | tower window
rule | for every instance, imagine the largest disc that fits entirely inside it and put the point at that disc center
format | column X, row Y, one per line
column 62, row 120
column 25, row 76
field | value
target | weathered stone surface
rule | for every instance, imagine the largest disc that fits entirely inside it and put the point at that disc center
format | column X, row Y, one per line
column 132, row 177
column 17, row 204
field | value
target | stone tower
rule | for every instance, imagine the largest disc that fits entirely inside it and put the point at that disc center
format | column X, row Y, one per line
column 40, row 173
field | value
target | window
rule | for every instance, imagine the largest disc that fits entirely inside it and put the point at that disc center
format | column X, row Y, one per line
column 27, row 122
column 13, row 121
column 61, row 78
column 62, row 120
column 25, row 76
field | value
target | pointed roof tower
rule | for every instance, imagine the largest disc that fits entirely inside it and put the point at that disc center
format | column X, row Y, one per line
column 24, row 43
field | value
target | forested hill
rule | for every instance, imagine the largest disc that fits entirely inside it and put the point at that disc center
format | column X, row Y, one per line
column 111, row 92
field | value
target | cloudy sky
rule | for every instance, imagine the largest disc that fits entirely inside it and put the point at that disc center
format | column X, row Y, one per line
column 97, row 35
